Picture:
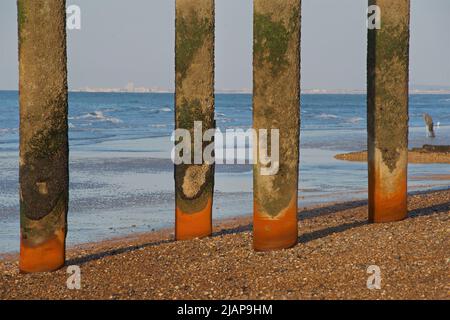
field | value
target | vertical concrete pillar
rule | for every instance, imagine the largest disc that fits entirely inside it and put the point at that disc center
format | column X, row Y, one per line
column 387, row 111
column 276, row 105
column 44, row 149
column 194, row 101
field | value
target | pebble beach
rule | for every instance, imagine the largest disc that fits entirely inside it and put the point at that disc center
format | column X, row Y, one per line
column 336, row 247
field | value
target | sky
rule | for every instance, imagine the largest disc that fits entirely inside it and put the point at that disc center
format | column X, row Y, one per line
column 133, row 41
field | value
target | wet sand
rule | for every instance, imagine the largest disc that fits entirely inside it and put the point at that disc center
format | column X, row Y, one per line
column 413, row 156
column 336, row 246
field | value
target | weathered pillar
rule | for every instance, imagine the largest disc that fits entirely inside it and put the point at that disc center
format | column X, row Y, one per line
column 387, row 111
column 44, row 150
column 194, row 101
column 276, row 105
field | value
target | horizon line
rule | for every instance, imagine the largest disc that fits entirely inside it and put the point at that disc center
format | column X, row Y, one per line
column 306, row 91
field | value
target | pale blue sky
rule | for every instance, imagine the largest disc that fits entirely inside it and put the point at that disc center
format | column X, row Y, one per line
column 122, row 41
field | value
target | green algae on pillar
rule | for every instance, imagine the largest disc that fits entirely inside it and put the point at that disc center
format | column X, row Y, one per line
column 276, row 105
column 194, row 101
column 43, row 164
column 387, row 111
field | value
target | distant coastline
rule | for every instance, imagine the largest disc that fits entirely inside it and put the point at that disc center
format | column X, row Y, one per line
column 238, row 91
column 132, row 89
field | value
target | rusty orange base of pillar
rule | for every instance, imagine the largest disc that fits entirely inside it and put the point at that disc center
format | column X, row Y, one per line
column 193, row 225
column 388, row 209
column 388, row 206
column 276, row 233
column 49, row 256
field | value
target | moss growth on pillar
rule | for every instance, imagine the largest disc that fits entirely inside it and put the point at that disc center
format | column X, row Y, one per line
column 43, row 165
column 194, row 96
column 271, row 42
column 387, row 62
column 387, row 111
column 21, row 17
column 191, row 34
column 276, row 101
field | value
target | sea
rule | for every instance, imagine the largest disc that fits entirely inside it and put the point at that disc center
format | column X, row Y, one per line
column 121, row 173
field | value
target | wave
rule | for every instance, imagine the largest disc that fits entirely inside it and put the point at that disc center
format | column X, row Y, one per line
column 327, row 116
column 8, row 130
column 155, row 111
column 355, row 119
column 111, row 109
column 97, row 115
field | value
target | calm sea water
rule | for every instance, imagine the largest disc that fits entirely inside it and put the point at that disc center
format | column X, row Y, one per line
column 121, row 173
